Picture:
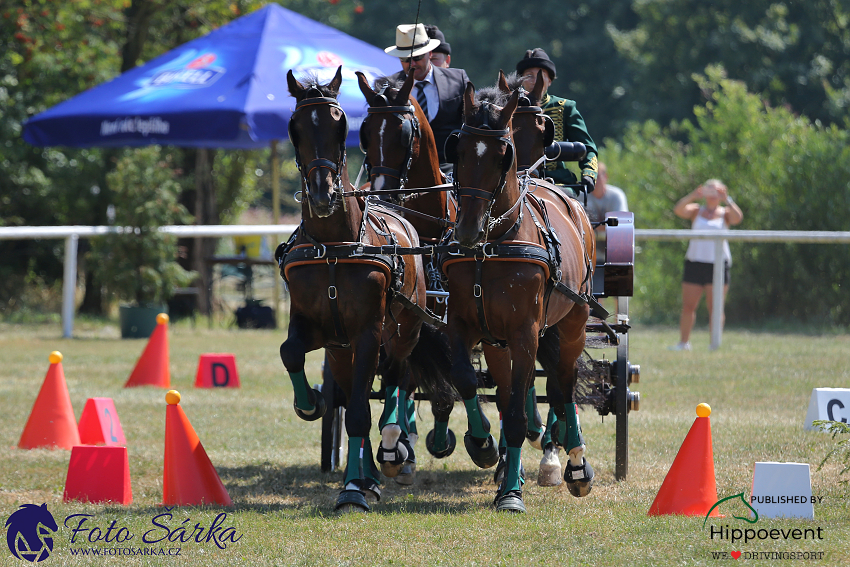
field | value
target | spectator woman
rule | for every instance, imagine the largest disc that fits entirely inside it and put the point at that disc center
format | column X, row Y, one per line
column 699, row 259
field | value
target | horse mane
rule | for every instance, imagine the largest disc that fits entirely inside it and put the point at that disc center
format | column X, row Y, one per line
column 310, row 80
column 488, row 106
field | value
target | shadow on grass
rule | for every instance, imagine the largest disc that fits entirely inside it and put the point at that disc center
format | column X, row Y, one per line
column 267, row 488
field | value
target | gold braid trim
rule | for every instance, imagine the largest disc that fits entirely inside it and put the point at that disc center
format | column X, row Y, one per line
column 592, row 169
column 556, row 113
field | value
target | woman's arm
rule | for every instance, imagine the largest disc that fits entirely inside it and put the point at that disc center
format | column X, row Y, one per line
column 734, row 214
column 687, row 207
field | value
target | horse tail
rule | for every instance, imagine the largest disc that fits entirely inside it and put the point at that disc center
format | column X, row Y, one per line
column 431, row 363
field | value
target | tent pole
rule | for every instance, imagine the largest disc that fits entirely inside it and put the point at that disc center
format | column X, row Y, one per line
column 275, row 220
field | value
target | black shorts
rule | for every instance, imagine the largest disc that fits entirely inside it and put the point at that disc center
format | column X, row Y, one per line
column 701, row 273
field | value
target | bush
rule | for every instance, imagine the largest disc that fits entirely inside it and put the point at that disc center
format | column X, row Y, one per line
column 141, row 266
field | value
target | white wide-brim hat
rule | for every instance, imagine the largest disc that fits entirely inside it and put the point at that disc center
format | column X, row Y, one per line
column 411, row 41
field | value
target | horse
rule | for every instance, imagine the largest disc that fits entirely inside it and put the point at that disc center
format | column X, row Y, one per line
column 523, row 264
column 351, row 295
column 401, row 153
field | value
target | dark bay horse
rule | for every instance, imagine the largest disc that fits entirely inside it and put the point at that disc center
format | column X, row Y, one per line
column 349, row 296
column 524, row 264
column 401, row 153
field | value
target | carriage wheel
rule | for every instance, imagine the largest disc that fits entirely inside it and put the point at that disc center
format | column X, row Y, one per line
column 621, row 400
column 332, row 422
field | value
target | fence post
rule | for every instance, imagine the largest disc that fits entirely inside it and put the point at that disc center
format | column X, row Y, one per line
column 717, row 295
column 69, row 285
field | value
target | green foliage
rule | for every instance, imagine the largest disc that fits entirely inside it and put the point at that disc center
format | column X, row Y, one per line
column 841, row 451
column 140, row 266
column 785, row 172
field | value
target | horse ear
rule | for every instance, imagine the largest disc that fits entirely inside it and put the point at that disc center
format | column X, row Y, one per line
column 508, row 110
column 367, row 91
column 404, row 94
column 503, row 83
column 336, row 82
column 295, row 88
column 468, row 101
column 537, row 91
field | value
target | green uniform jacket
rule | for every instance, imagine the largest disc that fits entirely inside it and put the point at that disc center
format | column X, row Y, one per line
column 569, row 127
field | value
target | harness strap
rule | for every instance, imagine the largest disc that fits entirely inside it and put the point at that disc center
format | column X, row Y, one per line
column 478, row 294
column 425, row 314
column 333, row 296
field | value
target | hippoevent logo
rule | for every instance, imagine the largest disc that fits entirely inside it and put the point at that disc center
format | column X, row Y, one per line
column 29, row 532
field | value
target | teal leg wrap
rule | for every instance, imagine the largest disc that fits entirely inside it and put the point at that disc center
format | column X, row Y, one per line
column 360, row 465
column 391, row 407
column 354, row 465
column 573, row 436
column 478, row 424
column 402, row 412
column 530, row 406
column 441, row 431
column 550, row 421
column 411, row 416
column 512, row 476
column 302, row 397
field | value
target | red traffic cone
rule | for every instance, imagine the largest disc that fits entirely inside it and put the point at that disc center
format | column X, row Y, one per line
column 51, row 423
column 690, row 489
column 99, row 423
column 189, row 477
column 217, row 370
column 152, row 369
column 98, row 474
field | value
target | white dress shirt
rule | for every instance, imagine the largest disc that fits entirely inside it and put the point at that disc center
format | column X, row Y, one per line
column 431, row 94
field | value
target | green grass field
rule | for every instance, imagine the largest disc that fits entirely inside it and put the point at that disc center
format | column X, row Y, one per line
column 758, row 386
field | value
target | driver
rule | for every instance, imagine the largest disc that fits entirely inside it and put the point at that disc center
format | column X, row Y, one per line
column 569, row 125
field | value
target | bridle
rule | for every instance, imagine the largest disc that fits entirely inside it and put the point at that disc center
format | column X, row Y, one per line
column 549, row 126
column 409, row 133
column 335, row 167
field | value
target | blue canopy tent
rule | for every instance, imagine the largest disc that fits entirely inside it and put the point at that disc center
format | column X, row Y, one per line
column 226, row 89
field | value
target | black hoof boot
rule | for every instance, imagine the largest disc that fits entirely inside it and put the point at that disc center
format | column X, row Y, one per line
column 499, row 475
column 351, row 501
column 579, row 479
column 319, row 400
column 451, row 443
column 391, row 460
column 510, row 502
column 484, row 453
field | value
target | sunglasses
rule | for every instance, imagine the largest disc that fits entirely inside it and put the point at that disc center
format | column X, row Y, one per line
column 417, row 58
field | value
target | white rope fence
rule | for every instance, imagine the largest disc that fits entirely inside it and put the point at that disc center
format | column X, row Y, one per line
column 72, row 234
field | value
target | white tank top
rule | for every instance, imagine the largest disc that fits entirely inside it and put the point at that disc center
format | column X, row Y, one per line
column 700, row 250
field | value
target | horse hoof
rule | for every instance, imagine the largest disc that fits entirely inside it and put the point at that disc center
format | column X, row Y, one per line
column 579, row 479
column 391, row 461
column 549, row 473
column 535, row 438
column 510, row 502
column 407, row 474
column 451, row 443
column 351, row 501
column 484, row 453
column 318, row 412
column 371, row 490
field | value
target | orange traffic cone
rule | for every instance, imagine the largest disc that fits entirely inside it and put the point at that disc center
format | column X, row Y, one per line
column 51, row 422
column 690, row 489
column 152, row 369
column 189, row 477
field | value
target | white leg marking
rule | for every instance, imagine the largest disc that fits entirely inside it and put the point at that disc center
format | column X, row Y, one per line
column 389, row 435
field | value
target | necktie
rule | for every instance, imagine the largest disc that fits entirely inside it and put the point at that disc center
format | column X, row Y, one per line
column 420, row 97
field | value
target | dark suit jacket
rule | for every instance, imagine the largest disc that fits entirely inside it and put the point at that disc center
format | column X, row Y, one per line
column 451, row 83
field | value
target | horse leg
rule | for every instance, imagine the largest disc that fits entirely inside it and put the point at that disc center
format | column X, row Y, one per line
column 479, row 443
column 536, row 429
column 499, row 365
column 309, row 404
column 548, row 355
column 361, row 479
column 578, row 474
column 512, row 397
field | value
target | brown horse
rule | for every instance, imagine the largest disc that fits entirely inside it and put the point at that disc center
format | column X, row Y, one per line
column 347, row 295
column 524, row 263
column 401, row 153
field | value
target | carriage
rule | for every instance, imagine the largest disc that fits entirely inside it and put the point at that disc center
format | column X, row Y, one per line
column 518, row 266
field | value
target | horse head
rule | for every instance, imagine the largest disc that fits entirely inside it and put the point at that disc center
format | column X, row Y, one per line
column 390, row 134
column 483, row 155
column 30, row 530
column 317, row 129
column 533, row 131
